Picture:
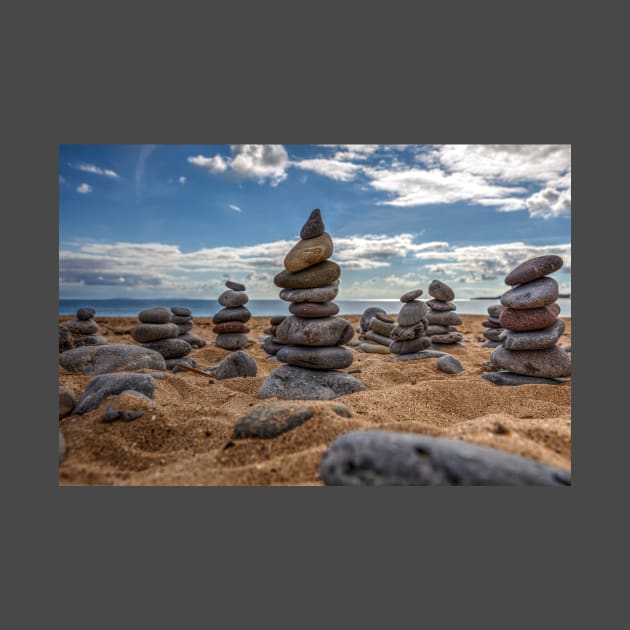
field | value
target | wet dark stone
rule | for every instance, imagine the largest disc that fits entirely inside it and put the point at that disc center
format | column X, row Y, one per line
column 110, row 358
column 533, row 269
column 155, row 315
column 272, row 420
column 238, row 364
column 322, row 358
column 235, row 286
column 386, row 458
column 441, row 291
column 295, row 383
column 509, row 378
column 85, row 313
column 314, row 225
column 318, row 275
column 106, row 385
column 238, row 314
column 535, row 294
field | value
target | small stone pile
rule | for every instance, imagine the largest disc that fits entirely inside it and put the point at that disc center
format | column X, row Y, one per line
column 157, row 332
column 229, row 322
column 80, row 331
column 441, row 316
column 312, row 335
column 271, row 345
column 410, row 334
column 528, row 352
column 377, row 338
column 493, row 328
column 182, row 318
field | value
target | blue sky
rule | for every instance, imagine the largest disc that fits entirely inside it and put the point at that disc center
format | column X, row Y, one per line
column 177, row 220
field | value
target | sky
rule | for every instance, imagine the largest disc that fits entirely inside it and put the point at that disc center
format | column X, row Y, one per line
column 176, row 221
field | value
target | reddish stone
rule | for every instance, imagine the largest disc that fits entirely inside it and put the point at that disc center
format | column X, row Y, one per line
column 230, row 327
column 528, row 318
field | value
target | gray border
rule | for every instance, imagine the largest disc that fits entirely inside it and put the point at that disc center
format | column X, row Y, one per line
column 167, row 554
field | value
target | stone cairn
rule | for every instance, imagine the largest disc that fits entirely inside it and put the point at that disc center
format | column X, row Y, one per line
column 312, row 336
column 229, row 322
column 80, row 331
column 376, row 339
column 528, row 352
column 182, row 318
column 271, row 345
column 409, row 335
column 493, row 328
column 441, row 315
column 157, row 332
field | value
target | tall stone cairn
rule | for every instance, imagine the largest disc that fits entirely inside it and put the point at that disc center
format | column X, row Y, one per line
column 312, row 337
column 441, row 315
column 229, row 322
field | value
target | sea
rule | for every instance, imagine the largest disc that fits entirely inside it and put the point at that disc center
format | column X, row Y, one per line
column 116, row 307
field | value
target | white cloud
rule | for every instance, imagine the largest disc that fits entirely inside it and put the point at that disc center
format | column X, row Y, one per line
column 262, row 162
column 84, row 189
column 335, row 169
column 96, row 170
column 235, row 208
column 182, row 180
column 550, row 203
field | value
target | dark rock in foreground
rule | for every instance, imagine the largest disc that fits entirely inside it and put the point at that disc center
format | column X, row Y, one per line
column 449, row 364
column 271, row 420
column 384, row 458
column 108, row 384
column 110, row 358
column 549, row 363
column 239, row 363
column 296, row 383
column 509, row 378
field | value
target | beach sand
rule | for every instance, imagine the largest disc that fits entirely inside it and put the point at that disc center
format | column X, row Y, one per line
column 187, row 438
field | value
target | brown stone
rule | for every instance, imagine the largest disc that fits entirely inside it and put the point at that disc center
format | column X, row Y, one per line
column 309, row 252
column 230, row 327
column 323, row 273
column 528, row 318
column 533, row 269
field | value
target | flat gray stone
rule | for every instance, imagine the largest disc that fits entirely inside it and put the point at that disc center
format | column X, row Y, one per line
column 509, row 378
column 318, row 294
column 143, row 333
column 67, row 401
column 296, row 383
column 155, row 315
column 183, row 329
column 373, row 348
column 110, row 358
column 86, row 313
column 387, row 458
column 318, row 275
column 447, row 338
column 238, row 314
column 436, row 329
column 411, row 346
column 533, row 269
column 495, row 310
column 533, row 340
column 449, row 364
column 232, row 299
column 128, row 405
column 313, row 309
column 327, row 331
column 170, row 348
column 368, row 313
column 235, row 286
column 376, row 338
column 441, row 291
column 178, row 319
column 549, row 363
column 238, row 364
column 82, row 327
column 379, row 326
column 405, row 333
column 272, row 420
column 535, row 294
column 181, row 311
column 493, row 334
column 106, row 385
column 231, row 341
column 323, row 358
column 314, row 225
column 439, row 305
column 411, row 313
column 418, row 356
column 443, row 318
column 411, row 295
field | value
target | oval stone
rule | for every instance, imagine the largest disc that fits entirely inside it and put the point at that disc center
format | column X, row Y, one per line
column 368, row 313
column 181, row 311
column 327, row 331
column 441, row 291
column 439, row 305
column 271, row 420
column 318, row 275
column 411, row 346
column 449, row 364
column 450, row 337
column 495, row 310
column 232, row 299
column 82, row 327
column 155, row 315
column 549, row 363
column 110, row 358
column 67, row 401
column 309, row 252
column 238, row 314
column 85, row 313
column 405, row 333
column 509, row 378
column 533, row 294
column 533, row 269
column 231, row 341
column 528, row 318
column 326, row 358
column 317, row 294
column 376, row 338
column 411, row 313
column 534, row 339
column 373, row 348
column 183, row 329
column 411, row 295
column 230, row 327
column 493, row 334
column 314, row 225
column 142, row 333
column 379, row 326
column 178, row 319
column 444, row 318
column 437, row 329
column 235, row 286
column 314, row 309
column 170, row 348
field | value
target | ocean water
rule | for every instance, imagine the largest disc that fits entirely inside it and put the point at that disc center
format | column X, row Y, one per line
column 263, row 308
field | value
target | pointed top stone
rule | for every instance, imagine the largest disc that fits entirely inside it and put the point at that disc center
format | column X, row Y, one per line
column 314, row 225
